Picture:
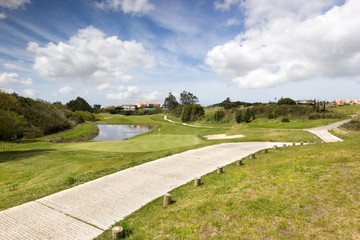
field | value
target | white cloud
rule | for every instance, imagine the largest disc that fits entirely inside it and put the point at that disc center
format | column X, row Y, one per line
column 233, row 22
column 14, row 79
column 91, row 57
column 291, row 48
column 13, row 4
column 12, row 66
column 125, row 93
column 226, row 4
column 102, row 86
column 30, row 93
column 66, row 90
column 2, row 16
column 126, row 6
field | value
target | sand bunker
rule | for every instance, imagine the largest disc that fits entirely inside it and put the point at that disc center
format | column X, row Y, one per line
column 223, row 136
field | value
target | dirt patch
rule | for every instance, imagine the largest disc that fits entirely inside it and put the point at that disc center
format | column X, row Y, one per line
column 223, row 136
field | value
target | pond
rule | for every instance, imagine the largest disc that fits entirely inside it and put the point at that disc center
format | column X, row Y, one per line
column 120, row 132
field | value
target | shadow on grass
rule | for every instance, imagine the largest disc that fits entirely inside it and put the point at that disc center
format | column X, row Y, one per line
column 9, row 156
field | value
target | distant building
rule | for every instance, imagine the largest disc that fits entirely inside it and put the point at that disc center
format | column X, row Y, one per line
column 110, row 107
column 148, row 105
column 348, row 101
column 128, row 107
column 310, row 102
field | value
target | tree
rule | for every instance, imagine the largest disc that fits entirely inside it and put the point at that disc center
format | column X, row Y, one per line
column 187, row 98
column 186, row 113
column 226, row 104
column 79, row 104
column 197, row 112
column 219, row 114
column 247, row 116
column 239, row 117
column 170, row 102
column 12, row 125
column 287, row 101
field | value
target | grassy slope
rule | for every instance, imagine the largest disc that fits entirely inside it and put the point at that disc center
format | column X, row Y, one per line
column 33, row 170
column 308, row 192
column 81, row 132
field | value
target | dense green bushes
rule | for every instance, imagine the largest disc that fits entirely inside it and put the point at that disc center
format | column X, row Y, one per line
column 25, row 117
column 191, row 113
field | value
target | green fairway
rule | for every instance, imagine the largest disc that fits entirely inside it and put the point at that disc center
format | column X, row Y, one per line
column 33, row 170
column 308, row 192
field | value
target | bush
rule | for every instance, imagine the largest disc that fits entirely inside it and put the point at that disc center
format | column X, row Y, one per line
column 287, row 101
column 186, row 113
column 285, row 120
column 82, row 116
column 12, row 126
column 219, row 114
column 238, row 117
column 353, row 125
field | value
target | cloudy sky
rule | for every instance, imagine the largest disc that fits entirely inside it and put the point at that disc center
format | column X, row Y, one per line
column 126, row 51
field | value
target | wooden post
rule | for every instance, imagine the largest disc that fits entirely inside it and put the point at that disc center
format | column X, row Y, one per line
column 274, row 147
column 252, row 155
column 117, row 232
column 301, row 143
column 293, row 144
column 284, row 145
column 197, row 182
column 167, row 199
column 265, row 150
column 219, row 169
column 239, row 162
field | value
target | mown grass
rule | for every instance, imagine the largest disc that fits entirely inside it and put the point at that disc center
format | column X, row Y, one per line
column 32, row 170
column 303, row 192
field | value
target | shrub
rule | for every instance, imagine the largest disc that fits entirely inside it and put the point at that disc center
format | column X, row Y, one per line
column 353, row 125
column 238, row 117
column 219, row 114
column 285, row 120
column 287, row 101
column 186, row 113
column 83, row 116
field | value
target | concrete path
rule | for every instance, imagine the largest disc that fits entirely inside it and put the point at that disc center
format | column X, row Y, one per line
column 85, row 211
column 323, row 132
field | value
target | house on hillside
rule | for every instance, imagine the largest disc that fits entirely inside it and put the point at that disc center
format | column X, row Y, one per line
column 129, row 107
column 148, row 105
column 109, row 107
column 347, row 101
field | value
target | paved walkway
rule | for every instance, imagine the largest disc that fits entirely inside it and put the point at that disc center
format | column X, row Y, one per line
column 85, row 211
column 323, row 133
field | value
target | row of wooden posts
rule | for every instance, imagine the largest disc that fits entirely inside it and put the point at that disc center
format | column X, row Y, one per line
column 118, row 231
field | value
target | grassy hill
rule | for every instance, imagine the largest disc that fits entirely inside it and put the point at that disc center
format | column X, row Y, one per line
column 308, row 192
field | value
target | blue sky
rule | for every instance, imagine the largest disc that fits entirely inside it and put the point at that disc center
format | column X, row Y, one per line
column 126, row 51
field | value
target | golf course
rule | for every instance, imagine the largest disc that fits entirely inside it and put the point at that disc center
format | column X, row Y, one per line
column 278, row 195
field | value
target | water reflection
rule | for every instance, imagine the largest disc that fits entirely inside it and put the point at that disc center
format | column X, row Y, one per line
column 119, row 132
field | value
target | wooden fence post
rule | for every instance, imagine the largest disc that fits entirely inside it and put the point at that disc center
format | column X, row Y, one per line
column 117, row 232
column 167, row 199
